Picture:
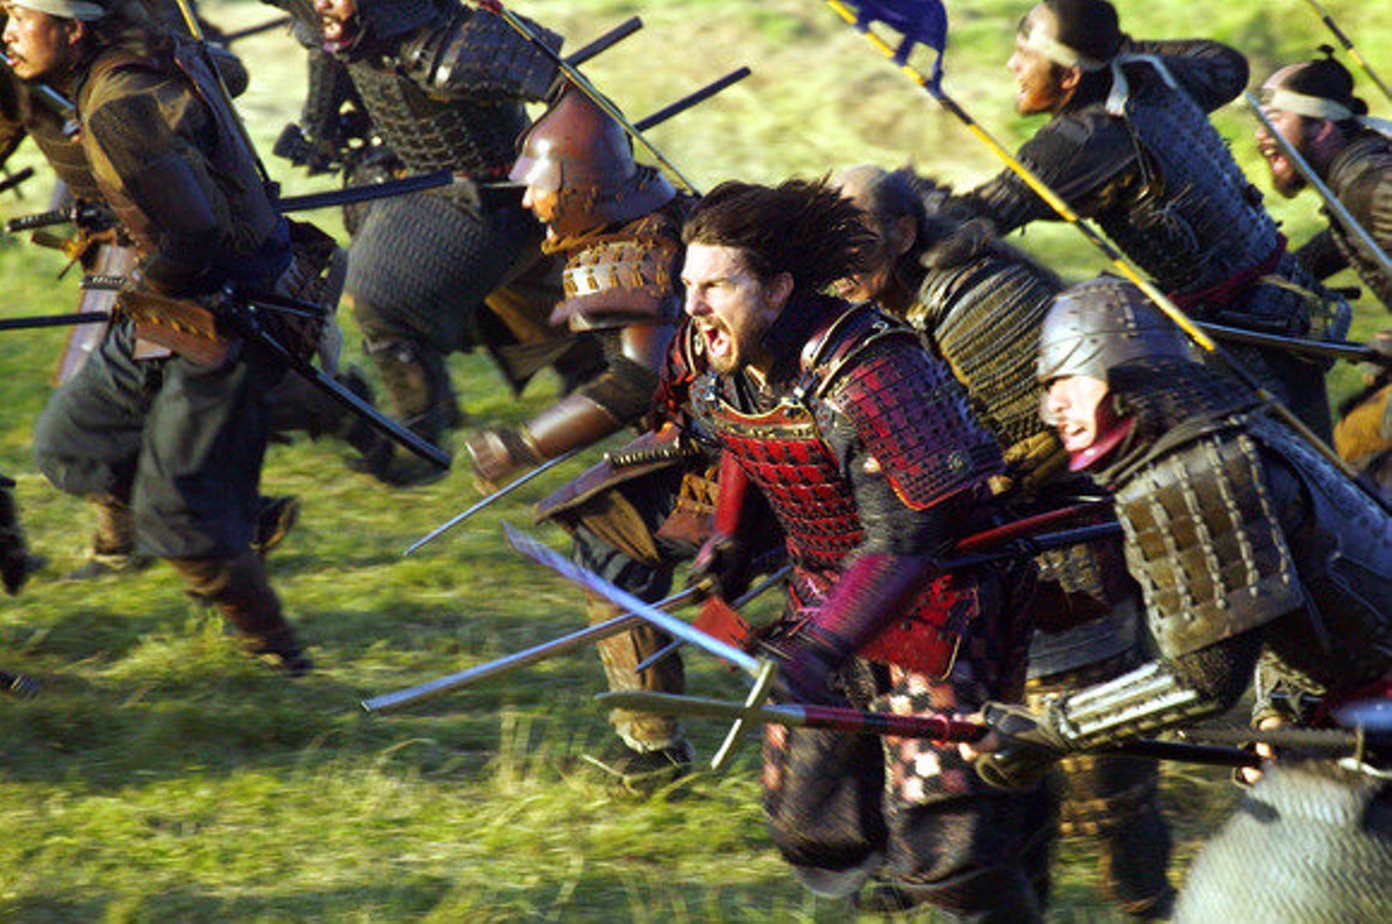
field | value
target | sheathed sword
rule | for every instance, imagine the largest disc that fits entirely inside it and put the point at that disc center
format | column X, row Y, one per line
column 55, row 320
column 585, row 86
column 13, row 181
column 245, row 323
column 937, row 727
column 1325, row 349
column 247, row 32
column 1365, row 239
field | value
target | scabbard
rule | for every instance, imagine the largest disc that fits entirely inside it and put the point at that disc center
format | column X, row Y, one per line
column 365, row 193
column 15, row 179
column 55, row 320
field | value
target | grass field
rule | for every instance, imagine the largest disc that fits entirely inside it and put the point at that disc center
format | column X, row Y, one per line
column 161, row 776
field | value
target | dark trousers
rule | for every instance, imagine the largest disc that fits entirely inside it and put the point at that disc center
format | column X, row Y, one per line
column 181, row 443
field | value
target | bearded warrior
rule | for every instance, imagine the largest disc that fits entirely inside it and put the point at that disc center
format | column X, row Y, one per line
column 1129, row 144
column 1313, row 106
column 979, row 303
column 169, row 416
column 1247, row 545
column 444, row 88
column 863, row 446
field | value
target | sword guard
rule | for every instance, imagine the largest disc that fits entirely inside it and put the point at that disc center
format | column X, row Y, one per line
column 763, row 687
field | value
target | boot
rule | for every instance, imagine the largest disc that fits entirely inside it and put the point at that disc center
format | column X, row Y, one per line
column 275, row 517
column 652, row 751
column 419, row 387
column 16, row 564
column 238, row 587
column 113, row 542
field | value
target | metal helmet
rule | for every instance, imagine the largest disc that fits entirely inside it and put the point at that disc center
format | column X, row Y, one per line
column 576, row 151
column 1103, row 323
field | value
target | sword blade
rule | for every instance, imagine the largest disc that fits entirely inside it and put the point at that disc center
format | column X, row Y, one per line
column 364, row 193
column 390, row 702
column 749, row 595
column 616, row 595
column 497, row 495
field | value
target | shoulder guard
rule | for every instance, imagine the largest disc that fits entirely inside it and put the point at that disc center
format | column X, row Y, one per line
column 614, row 279
column 908, row 411
column 1204, row 540
column 478, row 55
column 1082, row 153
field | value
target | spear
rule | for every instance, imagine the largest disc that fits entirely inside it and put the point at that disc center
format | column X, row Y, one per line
column 1345, row 41
column 937, row 727
column 1119, row 260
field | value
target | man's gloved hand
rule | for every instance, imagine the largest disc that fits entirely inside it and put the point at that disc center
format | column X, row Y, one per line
column 806, row 669
column 722, row 568
column 497, row 452
column 1022, row 746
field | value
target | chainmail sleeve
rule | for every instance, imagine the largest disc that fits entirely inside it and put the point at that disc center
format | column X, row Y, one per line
column 1076, row 155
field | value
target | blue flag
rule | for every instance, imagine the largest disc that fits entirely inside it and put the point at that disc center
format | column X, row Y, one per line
column 919, row 22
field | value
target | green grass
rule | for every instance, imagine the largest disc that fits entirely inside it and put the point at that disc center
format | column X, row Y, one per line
column 161, row 776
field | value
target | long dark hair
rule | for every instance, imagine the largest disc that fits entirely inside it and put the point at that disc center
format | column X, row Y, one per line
column 800, row 227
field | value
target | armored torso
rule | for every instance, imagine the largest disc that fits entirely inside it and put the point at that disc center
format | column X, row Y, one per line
column 865, row 395
column 449, row 95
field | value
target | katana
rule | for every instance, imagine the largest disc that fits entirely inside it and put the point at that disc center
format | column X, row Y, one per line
column 55, row 100
column 936, row 727
column 1120, row 261
column 692, row 99
column 243, row 321
column 15, row 180
column 364, row 193
column 1023, row 531
column 83, row 214
column 668, row 623
column 1327, row 349
column 249, row 31
column 1350, row 223
column 55, row 320
column 583, row 84
column 749, row 596
column 1345, row 41
column 491, row 499
column 391, row 702
column 606, row 41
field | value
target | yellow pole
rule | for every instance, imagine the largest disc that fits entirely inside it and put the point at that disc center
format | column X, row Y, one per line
column 1119, row 260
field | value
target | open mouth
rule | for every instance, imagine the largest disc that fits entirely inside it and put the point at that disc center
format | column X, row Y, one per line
column 718, row 342
column 1074, row 437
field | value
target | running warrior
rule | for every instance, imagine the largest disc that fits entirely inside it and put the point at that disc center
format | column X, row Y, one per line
column 1247, row 545
column 1313, row 107
column 169, row 415
column 444, row 85
column 99, row 246
column 979, row 303
column 1128, row 143
column 863, row 446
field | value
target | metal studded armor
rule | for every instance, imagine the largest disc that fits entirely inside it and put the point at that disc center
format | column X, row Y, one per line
column 913, row 419
column 1361, row 179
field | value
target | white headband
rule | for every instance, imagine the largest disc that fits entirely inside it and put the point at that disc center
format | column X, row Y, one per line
column 1319, row 107
column 80, row 10
column 1059, row 53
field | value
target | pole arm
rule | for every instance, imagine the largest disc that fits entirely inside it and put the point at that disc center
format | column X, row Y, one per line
column 1347, row 43
column 583, row 84
column 1119, row 260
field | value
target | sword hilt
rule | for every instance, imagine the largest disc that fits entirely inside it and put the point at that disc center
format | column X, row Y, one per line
column 632, row 458
column 101, row 282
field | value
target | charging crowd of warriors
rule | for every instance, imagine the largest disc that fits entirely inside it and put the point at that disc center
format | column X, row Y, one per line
column 862, row 362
